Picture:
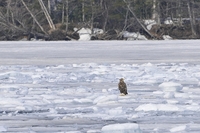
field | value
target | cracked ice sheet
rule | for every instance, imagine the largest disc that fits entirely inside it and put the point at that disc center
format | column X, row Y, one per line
column 83, row 97
column 55, row 97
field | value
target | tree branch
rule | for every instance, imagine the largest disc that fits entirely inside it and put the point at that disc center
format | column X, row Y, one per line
column 33, row 16
column 128, row 6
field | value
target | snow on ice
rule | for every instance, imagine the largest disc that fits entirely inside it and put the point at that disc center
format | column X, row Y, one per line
column 121, row 128
column 133, row 36
column 2, row 129
column 81, row 91
column 178, row 129
column 85, row 34
column 84, row 98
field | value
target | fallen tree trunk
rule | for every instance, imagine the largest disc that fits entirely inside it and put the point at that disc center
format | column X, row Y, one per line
column 143, row 27
column 33, row 16
column 51, row 24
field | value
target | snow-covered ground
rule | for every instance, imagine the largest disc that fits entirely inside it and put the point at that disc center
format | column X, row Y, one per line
column 71, row 87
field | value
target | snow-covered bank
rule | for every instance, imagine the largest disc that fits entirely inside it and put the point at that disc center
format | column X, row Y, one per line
column 85, row 98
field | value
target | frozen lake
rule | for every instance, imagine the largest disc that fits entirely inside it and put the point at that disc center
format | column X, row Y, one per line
column 51, row 53
column 71, row 87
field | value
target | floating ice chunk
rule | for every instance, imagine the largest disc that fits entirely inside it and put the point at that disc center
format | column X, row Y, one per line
column 185, row 89
column 156, row 130
column 74, row 65
column 168, row 107
column 10, row 102
column 147, row 107
column 157, row 107
column 73, row 78
column 121, row 128
column 83, row 100
column 39, row 70
column 169, row 95
column 9, row 87
column 189, row 102
column 73, row 132
column 60, row 66
column 134, row 116
column 170, row 86
column 52, row 111
column 116, row 111
column 23, row 91
column 192, row 108
column 181, row 95
column 66, row 92
column 195, row 104
column 158, row 92
column 105, row 99
column 20, row 108
column 4, row 76
column 83, row 90
column 62, row 101
column 93, row 131
column 172, row 101
column 96, row 100
column 178, row 129
column 112, row 89
column 104, row 90
column 193, row 96
column 2, row 129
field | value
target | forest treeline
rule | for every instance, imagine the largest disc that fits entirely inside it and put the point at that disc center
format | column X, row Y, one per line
column 56, row 19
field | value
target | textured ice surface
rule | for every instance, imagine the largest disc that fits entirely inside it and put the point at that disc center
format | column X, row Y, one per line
column 72, row 86
column 121, row 128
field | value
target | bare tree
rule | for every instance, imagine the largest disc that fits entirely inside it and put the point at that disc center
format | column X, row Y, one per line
column 126, row 20
column 49, row 6
column 63, row 13
column 133, row 13
column 179, row 10
column 156, row 11
column 48, row 17
column 92, row 16
column 192, row 18
column 154, row 14
column 83, row 10
column 105, row 14
column 67, row 14
column 33, row 16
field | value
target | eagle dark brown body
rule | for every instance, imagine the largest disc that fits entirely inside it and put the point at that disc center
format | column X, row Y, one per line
column 122, row 87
